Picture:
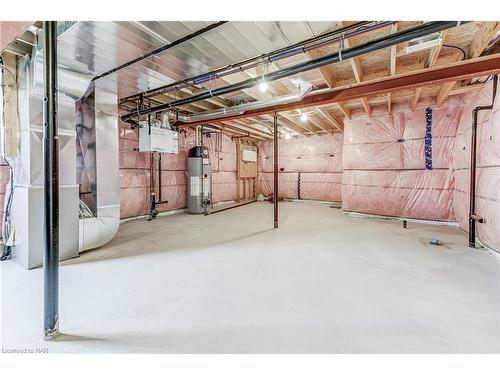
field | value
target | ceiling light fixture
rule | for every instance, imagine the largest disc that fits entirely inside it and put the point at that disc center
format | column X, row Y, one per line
column 288, row 136
column 263, row 86
column 303, row 117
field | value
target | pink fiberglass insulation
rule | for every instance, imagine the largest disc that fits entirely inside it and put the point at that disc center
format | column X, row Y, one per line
column 135, row 172
column 488, row 167
column 317, row 158
column 222, row 152
column 385, row 164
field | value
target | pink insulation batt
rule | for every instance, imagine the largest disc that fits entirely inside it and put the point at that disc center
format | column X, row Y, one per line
column 317, row 158
column 488, row 168
column 384, row 163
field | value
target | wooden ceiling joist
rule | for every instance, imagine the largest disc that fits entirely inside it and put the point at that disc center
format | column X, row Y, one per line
column 486, row 33
column 433, row 55
column 462, row 70
column 332, row 119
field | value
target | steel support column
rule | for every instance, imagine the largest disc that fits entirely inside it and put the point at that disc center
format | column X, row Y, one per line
column 275, row 158
column 51, row 184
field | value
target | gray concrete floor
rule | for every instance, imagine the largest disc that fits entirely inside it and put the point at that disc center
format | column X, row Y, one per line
column 228, row 283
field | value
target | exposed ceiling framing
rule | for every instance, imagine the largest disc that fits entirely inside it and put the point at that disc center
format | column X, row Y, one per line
column 357, row 72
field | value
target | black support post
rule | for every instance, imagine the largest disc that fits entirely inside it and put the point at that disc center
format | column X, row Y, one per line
column 275, row 157
column 51, row 185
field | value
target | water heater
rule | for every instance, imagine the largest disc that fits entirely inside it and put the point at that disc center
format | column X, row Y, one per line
column 199, row 180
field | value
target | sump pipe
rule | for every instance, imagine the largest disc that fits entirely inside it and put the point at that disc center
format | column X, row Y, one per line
column 370, row 46
column 473, row 217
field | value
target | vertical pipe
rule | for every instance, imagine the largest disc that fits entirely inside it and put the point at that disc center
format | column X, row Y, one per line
column 473, row 217
column 51, row 185
column 275, row 134
column 472, row 181
column 159, row 178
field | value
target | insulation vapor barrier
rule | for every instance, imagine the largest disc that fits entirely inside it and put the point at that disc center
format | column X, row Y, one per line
column 310, row 167
column 487, row 171
column 400, row 164
column 135, row 172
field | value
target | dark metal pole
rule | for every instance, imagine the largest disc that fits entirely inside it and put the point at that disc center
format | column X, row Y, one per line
column 275, row 157
column 51, row 184
column 473, row 217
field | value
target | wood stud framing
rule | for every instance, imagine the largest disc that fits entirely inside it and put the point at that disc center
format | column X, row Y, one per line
column 328, row 118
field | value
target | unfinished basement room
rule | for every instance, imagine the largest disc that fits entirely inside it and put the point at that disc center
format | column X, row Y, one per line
column 250, row 186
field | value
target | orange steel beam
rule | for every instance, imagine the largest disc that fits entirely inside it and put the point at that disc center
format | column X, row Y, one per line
column 462, row 70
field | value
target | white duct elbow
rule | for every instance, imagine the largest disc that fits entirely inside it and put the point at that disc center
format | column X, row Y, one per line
column 98, row 231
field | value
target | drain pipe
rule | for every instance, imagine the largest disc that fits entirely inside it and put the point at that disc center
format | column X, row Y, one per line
column 373, row 45
column 473, row 217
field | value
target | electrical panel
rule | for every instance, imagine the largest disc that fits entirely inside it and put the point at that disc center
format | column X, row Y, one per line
column 249, row 155
column 155, row 139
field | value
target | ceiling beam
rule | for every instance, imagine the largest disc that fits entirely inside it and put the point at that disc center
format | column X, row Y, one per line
column 467, row 69
column 486, row 33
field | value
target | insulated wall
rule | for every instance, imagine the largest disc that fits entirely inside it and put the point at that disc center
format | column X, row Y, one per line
column 135, row 172
column 310, row 167
column 488, row 168
column 400, row 164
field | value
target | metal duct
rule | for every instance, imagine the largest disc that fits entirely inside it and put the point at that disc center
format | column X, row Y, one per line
column 304, row 89
column 27, row 213
column 27, row 205
column 98, row 166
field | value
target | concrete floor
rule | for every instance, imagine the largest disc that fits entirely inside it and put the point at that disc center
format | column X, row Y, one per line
column 228, row 283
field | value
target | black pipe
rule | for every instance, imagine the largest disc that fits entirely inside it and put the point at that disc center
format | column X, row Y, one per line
column 473, row 217
column 370, row 46
column 275, row 156
column 266, row 56
column 51, row 184
column 162, row 49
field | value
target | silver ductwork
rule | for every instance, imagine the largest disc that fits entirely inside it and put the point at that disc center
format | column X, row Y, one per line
column 98, row 167
column 27, row 210
column 89, row 146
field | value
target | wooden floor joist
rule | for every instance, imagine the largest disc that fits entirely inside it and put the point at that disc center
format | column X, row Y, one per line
column 462, row 70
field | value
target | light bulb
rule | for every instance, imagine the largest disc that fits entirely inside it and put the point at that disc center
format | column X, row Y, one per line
column 263, row 86
column 303, row 117
column 288, row 136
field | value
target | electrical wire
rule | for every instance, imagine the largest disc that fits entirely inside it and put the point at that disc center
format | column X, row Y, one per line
column 458, row 48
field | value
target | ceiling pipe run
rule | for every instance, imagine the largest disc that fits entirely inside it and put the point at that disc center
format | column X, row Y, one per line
column 161, row 49
column 292, row 50
column 370, row 46
column 303, row 89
